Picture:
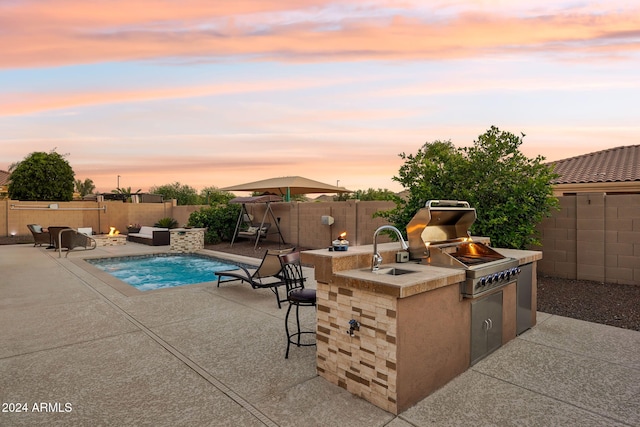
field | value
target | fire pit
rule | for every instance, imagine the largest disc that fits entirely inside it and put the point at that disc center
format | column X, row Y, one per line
column 110, row 240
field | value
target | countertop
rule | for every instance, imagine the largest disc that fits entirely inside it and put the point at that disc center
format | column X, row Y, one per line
column 422, row 278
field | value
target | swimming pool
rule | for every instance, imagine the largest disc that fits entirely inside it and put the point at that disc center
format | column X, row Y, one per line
column 150, row 272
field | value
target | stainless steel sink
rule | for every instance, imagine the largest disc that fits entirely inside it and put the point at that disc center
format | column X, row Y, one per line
column 392, row 271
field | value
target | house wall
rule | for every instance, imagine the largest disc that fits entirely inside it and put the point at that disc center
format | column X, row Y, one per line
column 594, row 236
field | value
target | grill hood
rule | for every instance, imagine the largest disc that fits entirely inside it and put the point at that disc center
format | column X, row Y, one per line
column 439, row 222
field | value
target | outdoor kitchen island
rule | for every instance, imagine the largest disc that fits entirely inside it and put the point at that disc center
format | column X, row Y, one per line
column 394, row 339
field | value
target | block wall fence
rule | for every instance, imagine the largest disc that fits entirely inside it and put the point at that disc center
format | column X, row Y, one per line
column 300, row 223
column 594, row 236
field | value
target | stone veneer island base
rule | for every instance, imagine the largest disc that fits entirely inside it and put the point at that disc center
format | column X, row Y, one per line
column 186, row 240
column 415, row 329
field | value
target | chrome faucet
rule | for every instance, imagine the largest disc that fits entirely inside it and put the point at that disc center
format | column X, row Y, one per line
column 377, row 258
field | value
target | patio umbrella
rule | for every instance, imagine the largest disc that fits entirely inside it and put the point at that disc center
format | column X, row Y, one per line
column 288, row 185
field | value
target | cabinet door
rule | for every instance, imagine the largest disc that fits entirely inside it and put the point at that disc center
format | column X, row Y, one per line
column 494, row 333
column 486, row 326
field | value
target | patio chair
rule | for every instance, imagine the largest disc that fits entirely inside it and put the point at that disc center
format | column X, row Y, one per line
column 54, row 232
column 267, row 275
column 298, row 296
column 40, row 236
column 70, row 239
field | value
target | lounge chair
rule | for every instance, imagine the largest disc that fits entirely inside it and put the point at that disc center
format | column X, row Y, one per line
column 54, row 231
column 70, row 239
column 40, row 236
column 267, row 275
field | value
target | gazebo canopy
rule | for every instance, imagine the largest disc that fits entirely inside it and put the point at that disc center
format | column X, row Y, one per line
column 266, row 198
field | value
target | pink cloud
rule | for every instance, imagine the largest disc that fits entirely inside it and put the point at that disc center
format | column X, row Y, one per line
column 26, row 103
column 40, row 34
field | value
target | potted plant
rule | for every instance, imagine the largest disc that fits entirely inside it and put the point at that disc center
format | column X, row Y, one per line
column 166, row 222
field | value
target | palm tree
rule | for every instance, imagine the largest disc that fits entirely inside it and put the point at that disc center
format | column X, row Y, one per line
column 85, row 187
column 126, row 192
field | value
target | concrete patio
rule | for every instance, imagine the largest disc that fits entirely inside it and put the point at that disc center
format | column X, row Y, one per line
column 86, row 351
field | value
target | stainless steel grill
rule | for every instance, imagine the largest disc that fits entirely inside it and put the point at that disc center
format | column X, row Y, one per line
column 439, row 236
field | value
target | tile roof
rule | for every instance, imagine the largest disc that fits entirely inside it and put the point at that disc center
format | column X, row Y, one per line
column 619, row 164
column 4, row 177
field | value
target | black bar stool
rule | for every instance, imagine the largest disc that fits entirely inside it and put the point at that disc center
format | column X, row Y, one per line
column 297, row 295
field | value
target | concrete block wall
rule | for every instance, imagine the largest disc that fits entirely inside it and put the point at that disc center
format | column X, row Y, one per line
column 367, row 224
column 142, row 213
column 622, row 239
column 300, row 223
column 181, row 213
column 590, row 232
column 97, row 215
column 559, row 236
column 595, row 236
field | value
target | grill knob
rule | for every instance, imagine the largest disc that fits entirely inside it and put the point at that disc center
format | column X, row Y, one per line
column 496, row 277
column 501, row 275
column 483, row 282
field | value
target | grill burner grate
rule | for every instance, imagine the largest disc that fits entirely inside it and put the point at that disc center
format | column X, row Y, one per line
column 473, row 260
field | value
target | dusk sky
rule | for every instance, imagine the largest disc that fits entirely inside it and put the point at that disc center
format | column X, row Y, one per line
column 217, row 93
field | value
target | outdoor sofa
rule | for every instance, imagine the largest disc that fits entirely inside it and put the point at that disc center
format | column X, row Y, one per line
column 154, row 236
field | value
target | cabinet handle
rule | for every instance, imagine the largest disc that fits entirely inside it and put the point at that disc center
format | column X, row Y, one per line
column 486, row 325
column 490, row 323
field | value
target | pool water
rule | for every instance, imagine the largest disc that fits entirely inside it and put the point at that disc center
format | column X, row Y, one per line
column 147, row 273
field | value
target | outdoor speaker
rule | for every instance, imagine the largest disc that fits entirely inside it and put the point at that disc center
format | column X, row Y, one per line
column 327, row 220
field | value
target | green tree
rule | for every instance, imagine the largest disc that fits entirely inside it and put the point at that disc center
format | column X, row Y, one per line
column 126, row 193
column 510, row 192
column 214, row 196
column 84, row 187
column 220, row 221
column 42, row 176
column 184, row 194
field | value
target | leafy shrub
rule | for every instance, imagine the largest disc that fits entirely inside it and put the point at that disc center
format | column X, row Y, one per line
column 166, row 222
column 510, row 192
column 220, row 221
